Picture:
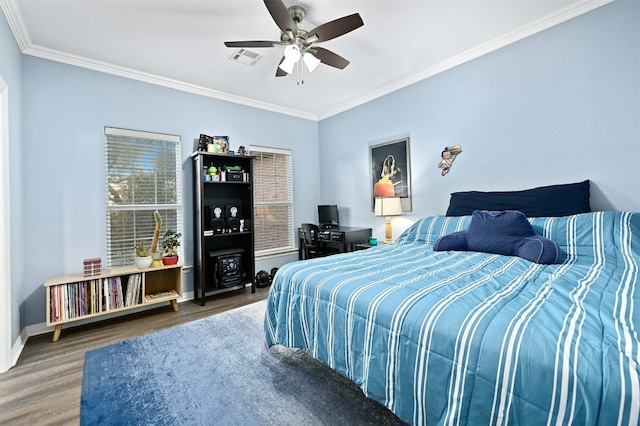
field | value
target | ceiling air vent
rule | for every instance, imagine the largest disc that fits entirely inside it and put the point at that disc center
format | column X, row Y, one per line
column 246, row 57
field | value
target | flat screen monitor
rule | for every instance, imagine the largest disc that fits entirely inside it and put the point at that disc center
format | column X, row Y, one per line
column 328, row 216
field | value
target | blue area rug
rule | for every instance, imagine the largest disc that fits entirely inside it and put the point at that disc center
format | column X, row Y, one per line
column 217, row 371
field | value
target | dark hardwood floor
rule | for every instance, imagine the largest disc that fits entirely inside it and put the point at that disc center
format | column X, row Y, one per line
column 45, row 385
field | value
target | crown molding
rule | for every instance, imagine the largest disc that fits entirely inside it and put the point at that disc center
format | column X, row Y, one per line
column 559, row 17
column 79, row 61
column 16, row 23
column 21, row 34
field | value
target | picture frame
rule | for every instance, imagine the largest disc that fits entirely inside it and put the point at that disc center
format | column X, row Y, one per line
column 222, row 142
column 390, row 171
column 216, row 144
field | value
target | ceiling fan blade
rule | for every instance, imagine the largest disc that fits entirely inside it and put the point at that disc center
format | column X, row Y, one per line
column 336, row 27
column 280, row 72
column 252, row 43
column 281, row 16
column 329, row 58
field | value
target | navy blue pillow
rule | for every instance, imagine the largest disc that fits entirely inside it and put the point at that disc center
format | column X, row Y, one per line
column 501, row 232
column 554, row 200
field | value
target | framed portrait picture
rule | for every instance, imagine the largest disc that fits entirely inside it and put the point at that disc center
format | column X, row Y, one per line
column 391, row 171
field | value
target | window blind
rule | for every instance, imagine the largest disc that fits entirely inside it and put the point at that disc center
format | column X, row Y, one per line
column 143, row 174
column 272, row 200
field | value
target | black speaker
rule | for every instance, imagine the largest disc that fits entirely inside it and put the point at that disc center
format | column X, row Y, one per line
column 228, row 270
column 216, row 221
column 227, row 267
column 232, row 215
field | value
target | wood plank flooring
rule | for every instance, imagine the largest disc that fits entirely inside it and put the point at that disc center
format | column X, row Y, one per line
column 45, row 385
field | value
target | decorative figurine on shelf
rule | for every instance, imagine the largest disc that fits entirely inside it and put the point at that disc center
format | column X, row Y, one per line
column 448, row 155
column 155, row 254
column 242, row 150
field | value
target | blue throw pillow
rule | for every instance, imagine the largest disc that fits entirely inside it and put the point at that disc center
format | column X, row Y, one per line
column 501, row 232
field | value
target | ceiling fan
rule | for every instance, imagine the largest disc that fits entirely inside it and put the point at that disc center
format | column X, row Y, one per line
column 300, row 44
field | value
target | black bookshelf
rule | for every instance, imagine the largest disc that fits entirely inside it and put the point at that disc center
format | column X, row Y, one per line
column 223, row 224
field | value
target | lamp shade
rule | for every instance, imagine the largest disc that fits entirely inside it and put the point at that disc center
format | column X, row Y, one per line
column 291, row 57
column 287, row 66
column 388, row 206
column 310, row 61
column 292, row 52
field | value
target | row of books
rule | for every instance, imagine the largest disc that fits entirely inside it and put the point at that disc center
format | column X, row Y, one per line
column 73, row 300
column 133, row 295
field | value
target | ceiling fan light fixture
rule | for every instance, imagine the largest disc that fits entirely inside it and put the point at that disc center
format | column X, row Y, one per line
column 299, row 42
column 287, row 65
column 292, row 53
column 291, row 57
column 310, row 61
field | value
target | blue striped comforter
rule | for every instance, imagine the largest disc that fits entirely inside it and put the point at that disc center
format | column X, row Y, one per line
column 468, row 338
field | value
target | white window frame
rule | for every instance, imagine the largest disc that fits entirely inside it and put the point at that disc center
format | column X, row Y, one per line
column 6, row 311
column 288, row 247
column 115, row 250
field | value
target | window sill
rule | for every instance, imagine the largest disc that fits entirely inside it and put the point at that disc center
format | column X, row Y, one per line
column 266, row 254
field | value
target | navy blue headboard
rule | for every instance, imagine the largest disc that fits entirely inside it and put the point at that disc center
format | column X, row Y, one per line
column 554, row 200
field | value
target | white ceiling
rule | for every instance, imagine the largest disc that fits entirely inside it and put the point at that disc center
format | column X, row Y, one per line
column 179, row 43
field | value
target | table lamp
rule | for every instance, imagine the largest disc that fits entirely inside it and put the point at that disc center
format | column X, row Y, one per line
column 387, row 207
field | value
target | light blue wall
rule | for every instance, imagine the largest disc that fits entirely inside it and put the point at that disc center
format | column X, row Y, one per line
column 10, row 71
column 559, row 106
column 65, row 111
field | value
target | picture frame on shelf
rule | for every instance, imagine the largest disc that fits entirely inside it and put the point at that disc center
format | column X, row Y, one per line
column 221, row 143
column 204, row 141
column 213, row 144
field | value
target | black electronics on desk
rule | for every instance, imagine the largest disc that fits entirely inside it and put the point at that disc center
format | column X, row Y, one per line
column 343, row 238
column 330, row 236
column 328, row 216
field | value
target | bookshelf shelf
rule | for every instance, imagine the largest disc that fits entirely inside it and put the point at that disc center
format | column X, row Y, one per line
column 75, row 297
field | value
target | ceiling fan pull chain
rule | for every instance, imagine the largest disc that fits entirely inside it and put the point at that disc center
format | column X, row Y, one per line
column 301, row 71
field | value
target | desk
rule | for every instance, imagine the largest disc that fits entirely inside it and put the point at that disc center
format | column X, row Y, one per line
column 342, row 237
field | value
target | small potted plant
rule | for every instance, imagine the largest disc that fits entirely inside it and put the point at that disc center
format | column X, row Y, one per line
column 143, row 258
column 170, row 244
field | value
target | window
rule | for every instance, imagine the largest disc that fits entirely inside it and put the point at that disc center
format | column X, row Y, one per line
column 272, row 200
column 143, row 174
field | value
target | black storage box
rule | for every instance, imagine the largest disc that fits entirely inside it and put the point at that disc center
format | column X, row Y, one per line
column 234, row 175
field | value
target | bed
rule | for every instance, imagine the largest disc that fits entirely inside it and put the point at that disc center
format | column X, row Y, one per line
column 474, row 338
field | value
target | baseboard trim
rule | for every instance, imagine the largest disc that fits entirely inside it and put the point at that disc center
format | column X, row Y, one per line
column 42, row 328
column 18, row 346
